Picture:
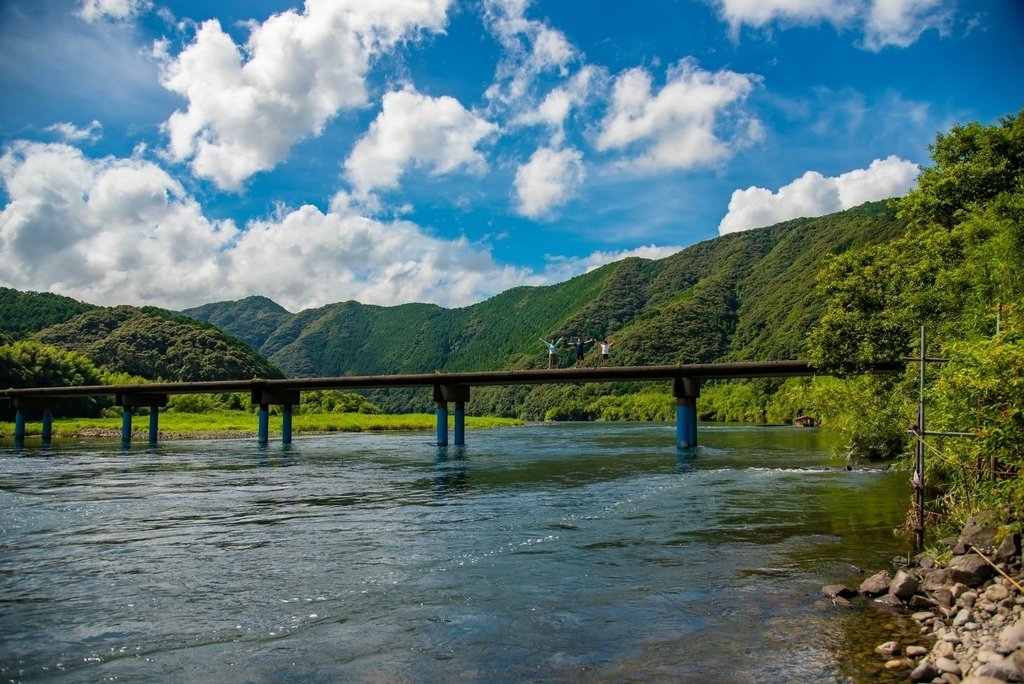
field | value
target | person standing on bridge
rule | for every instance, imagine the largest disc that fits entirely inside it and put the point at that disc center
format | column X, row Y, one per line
column 606, row 348
column 581, row 349
column 553, row 350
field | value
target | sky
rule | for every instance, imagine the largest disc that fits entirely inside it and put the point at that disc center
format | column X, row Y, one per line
column 391, row 151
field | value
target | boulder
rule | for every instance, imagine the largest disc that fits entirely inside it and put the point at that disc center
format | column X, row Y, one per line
column 971, row 569
column 903, row 585
column 980, row 531
column 889, row 648
column 1004, row 670
column 1008, row 548
column 934, row 579
column 876, row 585
column 835, row 590
column 925, row 671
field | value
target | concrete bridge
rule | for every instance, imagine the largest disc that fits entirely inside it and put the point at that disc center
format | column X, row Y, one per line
column 448, row 388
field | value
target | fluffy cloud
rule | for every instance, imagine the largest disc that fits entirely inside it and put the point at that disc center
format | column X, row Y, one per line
column 560, row 269
column 558, row 104
column 248, row 106
column 815, row 195
column 884, row 22
column 531, row 48
column 438, row 134
column 105, row 231
column 679, row 126
column 69, row 132
column 547, row 180
column 901, row 22
column 115, row 231
column 117, row 10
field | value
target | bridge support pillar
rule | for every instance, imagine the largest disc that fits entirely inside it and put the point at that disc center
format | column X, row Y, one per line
column 451, row 393
column 126, row 424
column 47, row 433
column 19, row 428
column 130, row 402
column 284, row 398
column 22, row 405
column 686, row 391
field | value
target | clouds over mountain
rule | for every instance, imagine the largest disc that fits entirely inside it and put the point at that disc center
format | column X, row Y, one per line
column 815, row 195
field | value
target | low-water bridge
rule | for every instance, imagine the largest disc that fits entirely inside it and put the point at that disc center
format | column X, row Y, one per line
column 448, row 388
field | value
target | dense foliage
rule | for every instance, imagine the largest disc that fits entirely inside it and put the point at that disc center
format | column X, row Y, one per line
column 22, row 313
column 156, row 344
column 959, row 272
column 30, row 364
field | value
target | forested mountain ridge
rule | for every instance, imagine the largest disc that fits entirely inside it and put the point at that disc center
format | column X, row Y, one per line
column 155, row 344
column 22, row 313
column 747, row 295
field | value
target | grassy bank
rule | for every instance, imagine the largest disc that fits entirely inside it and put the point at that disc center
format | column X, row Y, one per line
column 175, row 425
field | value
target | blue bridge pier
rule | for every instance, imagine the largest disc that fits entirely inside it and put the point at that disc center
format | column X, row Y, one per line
column 686, row 391
column 264, row 398
column 24, row 405
column 129, row 401
column 443, row 394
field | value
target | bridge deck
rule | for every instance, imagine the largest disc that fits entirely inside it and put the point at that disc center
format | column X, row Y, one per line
column 697, row 371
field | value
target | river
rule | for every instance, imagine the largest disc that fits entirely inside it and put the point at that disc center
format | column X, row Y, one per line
column 555, row 553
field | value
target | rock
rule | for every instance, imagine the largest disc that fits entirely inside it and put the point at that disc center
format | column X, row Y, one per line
column 943, row 649
column 903, row 585
column 976, row 679
column 1004, row 670
column 888, row 648
column 971, row 569
column 918, row 602
column 923, row 616
column 947, row 665
column 916, row 651
column 889, row 600
column 934, row 579
column 925, row 562
column 996, row 593
column 925, row 670
column 1008, row 548
column 875, row 585
column 834, row 590
column 962, row 618
column 943, row 596
column 980, row 531
column 898, row 664
column 958, row 590
column 841, row 602
column 1012, row 636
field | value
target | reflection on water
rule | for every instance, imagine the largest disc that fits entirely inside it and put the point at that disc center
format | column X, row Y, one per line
column 554, row 552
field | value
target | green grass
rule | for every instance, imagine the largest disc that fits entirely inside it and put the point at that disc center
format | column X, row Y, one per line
column 240, row 423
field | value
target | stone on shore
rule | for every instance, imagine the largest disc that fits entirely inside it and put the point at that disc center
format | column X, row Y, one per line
column 876, row 585
column 841, row 590
column 971, row 569
column 903, row 585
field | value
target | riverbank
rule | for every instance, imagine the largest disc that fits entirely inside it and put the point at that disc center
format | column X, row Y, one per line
column 970, row 610
column 241, row 424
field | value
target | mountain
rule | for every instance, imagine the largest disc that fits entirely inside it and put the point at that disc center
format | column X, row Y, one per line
column 22, row 313
column 251, row 320
column 747, row 295
column 153, row 343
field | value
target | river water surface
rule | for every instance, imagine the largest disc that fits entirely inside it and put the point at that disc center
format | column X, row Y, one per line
column 568, row 552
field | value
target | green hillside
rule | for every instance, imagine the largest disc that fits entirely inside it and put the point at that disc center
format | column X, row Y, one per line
column 22, row 313
column 153, row 343
column 251, row 320
column 748, row 295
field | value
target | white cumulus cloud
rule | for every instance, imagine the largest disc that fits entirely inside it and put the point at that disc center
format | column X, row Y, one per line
column 883, row 22
column 435, row 133
column 71, row 133
column 117, row 10
column 247, row 105
column 547, row 180
column 692, row 121
column 114, row 231
column 815, row 195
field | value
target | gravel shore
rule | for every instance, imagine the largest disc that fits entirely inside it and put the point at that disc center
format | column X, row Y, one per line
column 970, row 611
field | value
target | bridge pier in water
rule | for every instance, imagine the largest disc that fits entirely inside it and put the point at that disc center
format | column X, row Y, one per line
column 686, row 391
column 22, row 405
column 132, row 401
column 286, row 399
column 442, row 395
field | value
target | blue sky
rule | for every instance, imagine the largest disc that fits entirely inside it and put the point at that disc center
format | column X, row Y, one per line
column 391, row 151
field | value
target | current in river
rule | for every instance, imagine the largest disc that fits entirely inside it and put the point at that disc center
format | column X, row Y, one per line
column 556, row 553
